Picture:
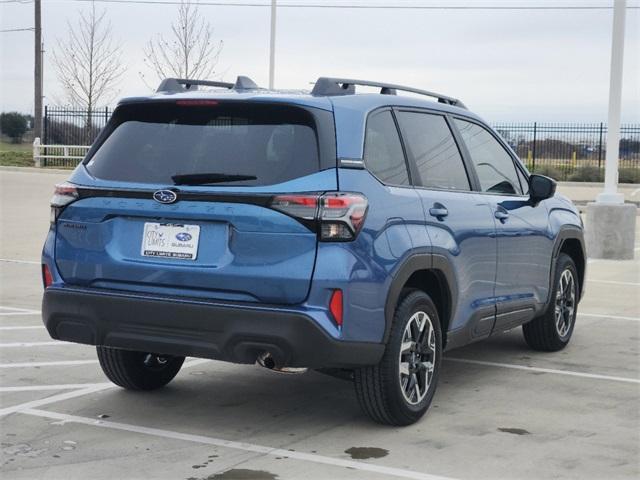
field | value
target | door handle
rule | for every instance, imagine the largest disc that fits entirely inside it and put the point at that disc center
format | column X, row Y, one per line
column 439, row 211
column 501, row 215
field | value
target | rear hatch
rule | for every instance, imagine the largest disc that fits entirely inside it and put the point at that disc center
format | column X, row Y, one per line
column 177, row 198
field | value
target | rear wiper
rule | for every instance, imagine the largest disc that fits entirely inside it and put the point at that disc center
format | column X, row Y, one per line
column 204, row 178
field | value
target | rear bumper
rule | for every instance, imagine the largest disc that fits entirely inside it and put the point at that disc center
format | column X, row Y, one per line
column 230, row 332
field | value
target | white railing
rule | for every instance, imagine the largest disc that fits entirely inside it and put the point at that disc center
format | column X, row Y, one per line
column 41, row 153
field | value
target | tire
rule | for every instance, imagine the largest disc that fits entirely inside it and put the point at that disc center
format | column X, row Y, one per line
column 384, row 392
column 138, row 370
column 551, row 331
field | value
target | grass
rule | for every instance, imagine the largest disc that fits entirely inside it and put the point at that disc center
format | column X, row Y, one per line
column 16, row 159
column 15, row 147
column 20, row 155
column 16, row 154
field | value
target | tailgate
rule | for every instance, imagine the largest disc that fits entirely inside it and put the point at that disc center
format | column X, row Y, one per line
column 242, row 251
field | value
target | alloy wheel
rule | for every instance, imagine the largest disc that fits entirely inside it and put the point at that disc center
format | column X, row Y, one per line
column 417, row 357
column 565, row 302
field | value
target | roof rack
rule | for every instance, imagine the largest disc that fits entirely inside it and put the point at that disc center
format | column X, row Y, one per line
column 326, row 86
column 184, row 84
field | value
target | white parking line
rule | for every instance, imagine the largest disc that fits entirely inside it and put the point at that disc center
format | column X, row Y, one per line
column 23, row 327
column 605, row 315
column 16, row 314
column 33, row 344
column 615, row 282
column 27, row 262
column 79, row 393
column 52, row 399
column 11, row 311
column 59, row 363
column 19, row 309
column 43, row 388
column 544, row 370
column 247, row 447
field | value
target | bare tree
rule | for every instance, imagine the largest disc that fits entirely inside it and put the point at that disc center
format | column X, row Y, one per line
column 89, row 62
column 189, row 52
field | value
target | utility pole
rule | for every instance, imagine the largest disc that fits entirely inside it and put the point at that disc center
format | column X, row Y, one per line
column 37, row 98
column 272, row 46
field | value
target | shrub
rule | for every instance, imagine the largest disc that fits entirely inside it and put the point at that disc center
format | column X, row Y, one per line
column 13, row 125
column 587, row 174
column 549, row 171
column 629, row 175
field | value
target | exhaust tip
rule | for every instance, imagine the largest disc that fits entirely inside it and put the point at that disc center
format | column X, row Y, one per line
column 267, row 361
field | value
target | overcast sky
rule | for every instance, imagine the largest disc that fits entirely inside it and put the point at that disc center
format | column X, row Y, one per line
column 506, row 65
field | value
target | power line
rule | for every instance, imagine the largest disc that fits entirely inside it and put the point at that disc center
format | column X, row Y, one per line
column 29, row 29
column 365, row 6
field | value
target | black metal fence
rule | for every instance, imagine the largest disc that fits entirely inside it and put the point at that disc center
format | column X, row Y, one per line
column 572, row 151
column 64, row 126
column 564, row 151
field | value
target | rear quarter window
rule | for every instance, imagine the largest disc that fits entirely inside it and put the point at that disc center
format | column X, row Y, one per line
column 152, row 142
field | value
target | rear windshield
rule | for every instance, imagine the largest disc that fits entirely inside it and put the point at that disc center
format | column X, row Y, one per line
column 151, row 143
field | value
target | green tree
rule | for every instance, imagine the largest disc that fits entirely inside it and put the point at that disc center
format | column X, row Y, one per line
column 13, row 125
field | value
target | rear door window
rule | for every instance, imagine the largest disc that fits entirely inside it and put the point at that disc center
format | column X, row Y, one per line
column 432, row 147
column 153, row 142
column 383, row 154
column 494, row 166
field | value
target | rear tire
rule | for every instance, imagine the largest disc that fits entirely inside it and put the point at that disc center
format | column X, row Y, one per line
column 138, row 370
column 399, row 390
column 552, row 330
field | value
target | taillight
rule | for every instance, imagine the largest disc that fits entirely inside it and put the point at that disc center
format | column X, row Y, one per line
column 299, row 206
column 336, row 216
column 63, row 195
column 47, row 279
column 342, row 215
column 335, row 306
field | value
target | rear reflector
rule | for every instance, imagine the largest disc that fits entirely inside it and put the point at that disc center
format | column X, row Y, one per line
column 335, row 306
column 47, row 279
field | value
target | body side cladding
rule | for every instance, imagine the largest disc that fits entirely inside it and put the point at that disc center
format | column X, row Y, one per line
column 569, row 232
column 437, row 264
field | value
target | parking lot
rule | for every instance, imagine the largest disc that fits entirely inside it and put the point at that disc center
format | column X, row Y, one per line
column 501, row 410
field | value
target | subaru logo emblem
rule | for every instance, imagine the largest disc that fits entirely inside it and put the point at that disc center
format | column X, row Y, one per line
column 165, row 196
column 183, row 236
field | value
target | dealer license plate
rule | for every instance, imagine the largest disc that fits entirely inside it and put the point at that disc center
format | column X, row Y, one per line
column 170, row 240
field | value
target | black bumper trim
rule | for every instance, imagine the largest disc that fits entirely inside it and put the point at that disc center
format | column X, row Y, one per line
column 234, row 333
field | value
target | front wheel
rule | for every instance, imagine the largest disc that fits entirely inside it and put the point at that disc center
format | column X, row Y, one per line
column 552, row 330
column 138, row 370
column 399, row 390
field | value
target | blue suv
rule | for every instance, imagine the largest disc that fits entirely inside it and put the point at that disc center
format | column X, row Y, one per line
column 361, row 235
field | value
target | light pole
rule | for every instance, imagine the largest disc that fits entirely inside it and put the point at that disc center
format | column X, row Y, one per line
column 609, row 194
column 272, row 46
column 611, row 224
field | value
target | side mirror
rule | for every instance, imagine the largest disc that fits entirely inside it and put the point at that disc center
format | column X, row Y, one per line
column 541, row 188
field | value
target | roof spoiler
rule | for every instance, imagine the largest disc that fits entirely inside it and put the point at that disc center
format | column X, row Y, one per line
column 173, row 85
column 326, row 86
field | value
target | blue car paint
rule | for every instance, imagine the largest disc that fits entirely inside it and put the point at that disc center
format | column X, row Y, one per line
column 493, row 264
